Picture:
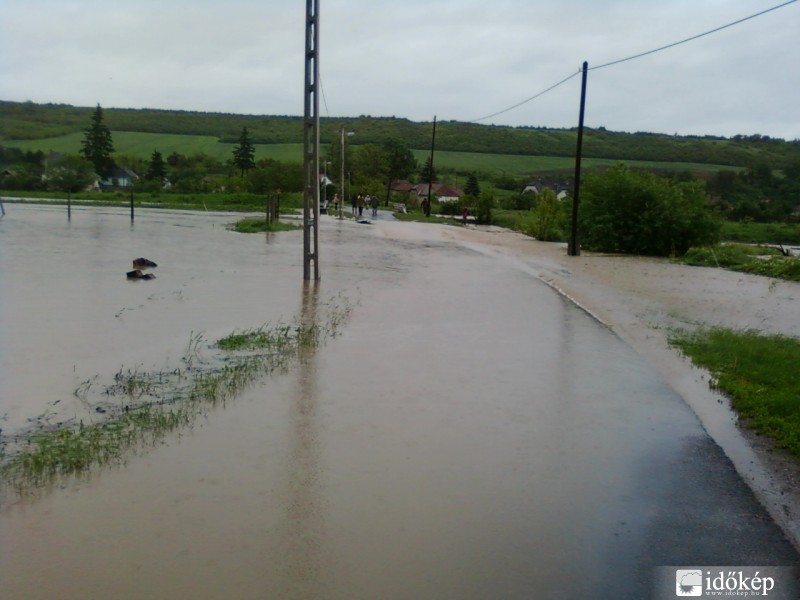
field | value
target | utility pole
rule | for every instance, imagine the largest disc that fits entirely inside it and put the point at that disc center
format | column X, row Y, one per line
column 342, row 197
column 341, row 180
column 311, row 144
column 574, row 247
column 430, row 174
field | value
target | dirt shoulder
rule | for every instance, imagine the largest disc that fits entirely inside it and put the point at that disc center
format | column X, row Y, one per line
column 644, row 300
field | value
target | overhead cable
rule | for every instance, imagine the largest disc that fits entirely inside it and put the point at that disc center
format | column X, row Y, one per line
column 694, row 37
column 615, row 62
column 322, row 93
column 552, row 87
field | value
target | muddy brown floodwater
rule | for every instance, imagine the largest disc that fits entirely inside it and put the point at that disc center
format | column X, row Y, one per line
column 468, row 434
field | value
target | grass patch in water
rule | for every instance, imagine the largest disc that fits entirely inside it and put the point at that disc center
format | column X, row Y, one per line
column 270, row 338
column 151, row 405
column 759, row 373
column 253, row 225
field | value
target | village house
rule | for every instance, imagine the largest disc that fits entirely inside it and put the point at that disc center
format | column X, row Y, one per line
column 120, row 177
column 418, row 192
column 535, row 187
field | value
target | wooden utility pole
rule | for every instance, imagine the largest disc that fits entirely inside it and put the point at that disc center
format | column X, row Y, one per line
column 430, row 173
column 574, row 247
column 311, row 144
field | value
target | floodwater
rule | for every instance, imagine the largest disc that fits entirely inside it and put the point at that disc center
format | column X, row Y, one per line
column 469, row 434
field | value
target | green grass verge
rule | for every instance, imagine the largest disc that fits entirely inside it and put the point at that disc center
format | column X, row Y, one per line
column 758, row 260
column 761, row 233
column 760, row 375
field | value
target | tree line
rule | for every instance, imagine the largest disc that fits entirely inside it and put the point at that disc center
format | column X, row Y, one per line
column 370, row 168
column 757, row 193
column 19, row 121
column 623, row 210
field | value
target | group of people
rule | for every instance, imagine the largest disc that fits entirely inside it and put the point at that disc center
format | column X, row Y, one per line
column 358, row 203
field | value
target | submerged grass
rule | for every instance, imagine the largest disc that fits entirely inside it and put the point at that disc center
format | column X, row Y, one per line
column 253, row 225
column 759, row 373
column 150, row 405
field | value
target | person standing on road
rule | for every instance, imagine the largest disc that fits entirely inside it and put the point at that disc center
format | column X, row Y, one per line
column 374, row 204
column 361, row 203
column 464, row 215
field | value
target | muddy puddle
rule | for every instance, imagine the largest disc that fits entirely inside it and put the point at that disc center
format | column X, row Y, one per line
column 467, row 434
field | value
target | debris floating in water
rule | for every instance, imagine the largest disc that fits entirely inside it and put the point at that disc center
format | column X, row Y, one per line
column 143, row 263
column 138, row 265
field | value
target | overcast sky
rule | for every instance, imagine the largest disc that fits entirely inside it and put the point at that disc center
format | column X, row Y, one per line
column 455, row 59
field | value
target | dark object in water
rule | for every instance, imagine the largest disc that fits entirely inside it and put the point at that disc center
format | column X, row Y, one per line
column 143, row 263
column 137, row 274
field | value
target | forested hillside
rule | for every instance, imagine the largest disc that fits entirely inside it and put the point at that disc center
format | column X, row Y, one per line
column 27, row 121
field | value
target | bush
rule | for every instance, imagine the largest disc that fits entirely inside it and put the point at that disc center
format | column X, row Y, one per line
column 483, row 210
column 640, row 213
column 547, row 222
column 450, row 208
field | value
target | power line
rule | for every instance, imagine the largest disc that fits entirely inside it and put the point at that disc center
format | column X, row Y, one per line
column 615, row 62
column 518, row 104
column 694, row 37
column 324, row 100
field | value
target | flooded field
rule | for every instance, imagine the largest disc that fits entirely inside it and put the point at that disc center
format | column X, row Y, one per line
column 468, row 433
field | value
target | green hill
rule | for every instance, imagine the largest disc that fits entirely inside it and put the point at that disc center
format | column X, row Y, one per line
column 140, row 131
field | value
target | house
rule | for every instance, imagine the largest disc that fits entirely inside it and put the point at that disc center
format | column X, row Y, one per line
column 120, row 177
column 560, row 188
column 445, row 193
column 419, row 192
column 403, row 186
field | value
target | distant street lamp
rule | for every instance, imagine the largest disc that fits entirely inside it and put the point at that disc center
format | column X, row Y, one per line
column 341, row 181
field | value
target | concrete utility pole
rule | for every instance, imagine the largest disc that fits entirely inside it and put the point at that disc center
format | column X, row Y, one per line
column 574, row 247
column 311, row 144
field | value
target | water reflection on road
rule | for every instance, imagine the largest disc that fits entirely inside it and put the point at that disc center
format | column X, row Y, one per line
column 470, row 434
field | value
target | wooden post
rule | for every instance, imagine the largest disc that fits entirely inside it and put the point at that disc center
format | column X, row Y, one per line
column 430, row 174
column 574, row 247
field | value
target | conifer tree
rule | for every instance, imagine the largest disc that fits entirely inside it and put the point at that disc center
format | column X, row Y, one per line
column 428, row 173
column 156, row 170
column 98, row 145
column 472, row 188
column 244, row 153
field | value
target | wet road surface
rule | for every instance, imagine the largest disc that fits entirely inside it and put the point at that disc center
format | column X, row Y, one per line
column 469, row 434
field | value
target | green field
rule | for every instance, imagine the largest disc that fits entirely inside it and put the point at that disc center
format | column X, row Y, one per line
column 521, row 166
column 142, row 145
